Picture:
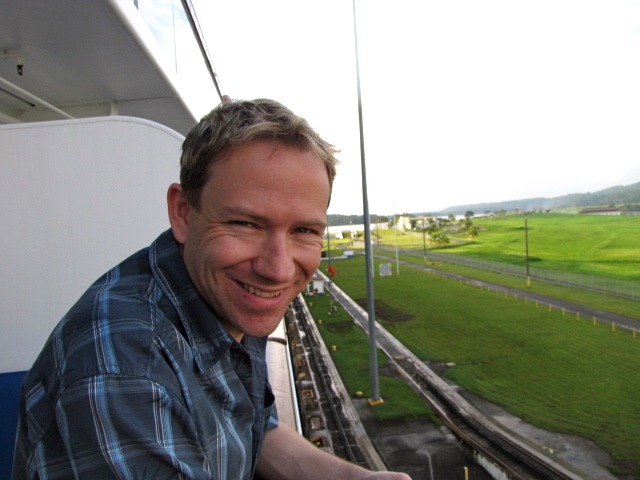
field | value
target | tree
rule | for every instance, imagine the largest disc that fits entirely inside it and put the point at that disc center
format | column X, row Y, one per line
column 472, row 231
column 439, row 238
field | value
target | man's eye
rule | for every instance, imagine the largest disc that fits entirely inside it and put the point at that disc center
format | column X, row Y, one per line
column 311, row 231
column 241, row 223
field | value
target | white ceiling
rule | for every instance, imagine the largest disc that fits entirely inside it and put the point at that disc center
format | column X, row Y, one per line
column 85, row 58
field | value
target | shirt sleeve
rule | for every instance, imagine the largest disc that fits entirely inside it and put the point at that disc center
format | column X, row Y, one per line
column 273, row 417
column 128, row 427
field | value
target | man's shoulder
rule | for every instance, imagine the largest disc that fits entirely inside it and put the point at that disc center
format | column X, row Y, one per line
column 127, row 290
column 120, row 327
column 111, row 328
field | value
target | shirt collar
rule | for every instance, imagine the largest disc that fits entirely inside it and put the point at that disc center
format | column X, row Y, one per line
column 204, row 332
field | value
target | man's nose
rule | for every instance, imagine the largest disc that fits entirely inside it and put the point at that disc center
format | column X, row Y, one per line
column 275, row 260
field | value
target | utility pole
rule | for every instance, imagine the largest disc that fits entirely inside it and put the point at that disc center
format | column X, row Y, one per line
column 526, row 250
column 424, row 241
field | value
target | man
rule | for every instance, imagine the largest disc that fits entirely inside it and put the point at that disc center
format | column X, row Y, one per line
column 158, row 371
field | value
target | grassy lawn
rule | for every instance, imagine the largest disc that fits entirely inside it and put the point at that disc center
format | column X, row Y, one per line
column 619, row 305
column 601, row 246
column 555, row 371
column 351, row 356
column 598, row 245
column 587, row 244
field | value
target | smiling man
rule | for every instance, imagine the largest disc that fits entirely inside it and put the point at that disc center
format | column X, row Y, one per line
column 158, row 371
column 253, row 241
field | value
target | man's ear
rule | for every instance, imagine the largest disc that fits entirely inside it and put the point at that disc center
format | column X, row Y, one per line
column 179, row 209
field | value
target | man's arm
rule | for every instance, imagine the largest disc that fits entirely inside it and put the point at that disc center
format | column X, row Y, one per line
column 286, row 455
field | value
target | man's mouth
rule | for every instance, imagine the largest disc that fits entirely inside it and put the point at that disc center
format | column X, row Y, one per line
column 261, row 293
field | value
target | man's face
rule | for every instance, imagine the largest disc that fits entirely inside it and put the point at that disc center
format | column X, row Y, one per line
column 256, row 241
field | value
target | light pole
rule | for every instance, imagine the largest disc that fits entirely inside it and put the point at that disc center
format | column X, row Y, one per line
column 373, row 347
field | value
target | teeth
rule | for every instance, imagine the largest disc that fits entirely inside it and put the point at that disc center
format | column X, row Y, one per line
column 260, row 293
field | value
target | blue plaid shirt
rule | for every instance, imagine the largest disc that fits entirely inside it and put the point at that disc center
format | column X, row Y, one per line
column 140, row 380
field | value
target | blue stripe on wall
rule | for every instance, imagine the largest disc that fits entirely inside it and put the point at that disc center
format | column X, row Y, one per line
column 9, row 399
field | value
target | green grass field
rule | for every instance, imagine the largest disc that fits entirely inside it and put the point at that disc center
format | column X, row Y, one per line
column 587, row 244
column 554, row 371
column 614, row 304
column 599, row 245
column 351, row 356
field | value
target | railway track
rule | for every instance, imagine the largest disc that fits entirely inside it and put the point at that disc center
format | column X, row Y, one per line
column 492, row 445
column 328, row 420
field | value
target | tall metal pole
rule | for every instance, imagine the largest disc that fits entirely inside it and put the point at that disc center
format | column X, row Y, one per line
column 395, row 236
column 424, row 242
column 373, row 347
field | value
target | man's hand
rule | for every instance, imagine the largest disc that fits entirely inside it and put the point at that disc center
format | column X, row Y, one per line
column 387, row 476
column 286, row 455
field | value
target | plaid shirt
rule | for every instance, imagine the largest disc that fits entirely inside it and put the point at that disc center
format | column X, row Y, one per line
column 139, row 380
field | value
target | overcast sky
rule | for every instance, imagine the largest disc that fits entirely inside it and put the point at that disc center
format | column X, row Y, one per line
column 464, row 101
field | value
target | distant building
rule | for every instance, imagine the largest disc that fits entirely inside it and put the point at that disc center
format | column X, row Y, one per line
column 600, row 211
column 339, row 231
column 316, row 285
column 403, row 222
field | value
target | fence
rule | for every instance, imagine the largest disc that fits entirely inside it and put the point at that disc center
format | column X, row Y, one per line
column 593, row 283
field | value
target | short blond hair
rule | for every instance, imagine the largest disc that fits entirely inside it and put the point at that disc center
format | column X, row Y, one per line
column 236, row 123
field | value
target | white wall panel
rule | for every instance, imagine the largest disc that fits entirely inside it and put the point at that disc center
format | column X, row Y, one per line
column 76, row 197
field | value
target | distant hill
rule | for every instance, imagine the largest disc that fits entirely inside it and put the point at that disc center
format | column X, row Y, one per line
column 627, row 197
column 619, row 196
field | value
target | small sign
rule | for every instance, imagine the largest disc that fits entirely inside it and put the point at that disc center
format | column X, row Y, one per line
column 385, row 270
